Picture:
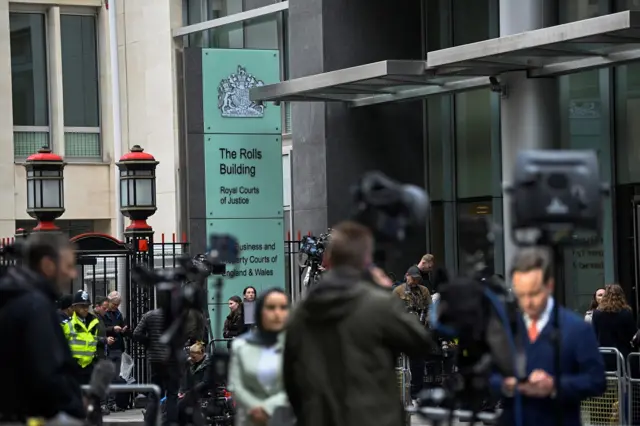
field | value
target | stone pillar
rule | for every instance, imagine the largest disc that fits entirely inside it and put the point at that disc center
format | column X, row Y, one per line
column 149, row 95
column 333, row 144
column 529, row 110
column 7, row 173
column 56, row 99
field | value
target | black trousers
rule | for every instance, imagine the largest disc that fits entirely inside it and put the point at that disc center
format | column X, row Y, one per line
column 416, row 365
column 168, row 380
column 115, row 356
column 83, row 375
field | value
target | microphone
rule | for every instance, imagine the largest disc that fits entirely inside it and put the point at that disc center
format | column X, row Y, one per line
column 103, row 374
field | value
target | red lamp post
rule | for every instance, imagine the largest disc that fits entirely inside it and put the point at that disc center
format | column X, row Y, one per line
column 137, row 189
column 45, row 189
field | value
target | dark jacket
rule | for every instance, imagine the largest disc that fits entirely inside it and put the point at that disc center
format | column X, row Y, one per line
column 148, row 332
column 195, row 326
column 582, row 373
column 36, row 365
column 340, row 351
column 111, row 320
column 197, row 377
column 615, row 330
column 103, row 347
column 434, row 279
column 234, row 326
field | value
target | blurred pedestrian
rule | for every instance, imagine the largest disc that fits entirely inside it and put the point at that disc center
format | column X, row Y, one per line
column 343, row 341
column 36, row 365
column 255, row 373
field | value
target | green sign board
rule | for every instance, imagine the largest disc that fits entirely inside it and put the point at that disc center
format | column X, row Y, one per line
column 227, row 77
column 261, row 264
column 243, row 175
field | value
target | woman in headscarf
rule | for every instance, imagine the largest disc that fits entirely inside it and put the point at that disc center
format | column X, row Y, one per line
column 255, row 372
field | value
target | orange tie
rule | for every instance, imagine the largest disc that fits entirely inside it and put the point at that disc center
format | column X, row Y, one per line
column 533, row 331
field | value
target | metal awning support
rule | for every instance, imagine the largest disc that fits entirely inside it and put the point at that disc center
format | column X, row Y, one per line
column 563, row 49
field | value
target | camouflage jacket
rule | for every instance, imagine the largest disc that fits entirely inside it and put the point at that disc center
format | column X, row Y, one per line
column 417, row 297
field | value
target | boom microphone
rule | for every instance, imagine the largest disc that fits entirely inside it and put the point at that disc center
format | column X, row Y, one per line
column 103, row 374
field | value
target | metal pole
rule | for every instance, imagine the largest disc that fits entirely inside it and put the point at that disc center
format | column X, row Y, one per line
column 117, row 119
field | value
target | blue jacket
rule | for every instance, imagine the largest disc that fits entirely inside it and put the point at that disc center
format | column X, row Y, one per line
column 582, row 373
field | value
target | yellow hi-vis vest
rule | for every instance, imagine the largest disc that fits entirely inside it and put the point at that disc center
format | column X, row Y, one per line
column 82, row 339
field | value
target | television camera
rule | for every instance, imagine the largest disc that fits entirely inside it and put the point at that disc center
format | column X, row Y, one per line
column 310, row 254
column 182, row 290
column 554, row 196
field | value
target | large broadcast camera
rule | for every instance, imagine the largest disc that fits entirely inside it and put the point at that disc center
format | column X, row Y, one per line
column 184, row 289
column 310, row 255
column 554, row 196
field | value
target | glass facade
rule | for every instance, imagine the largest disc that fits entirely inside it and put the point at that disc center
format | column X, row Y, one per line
column 598, row 111
column 80, row 86
column 29, row 82
column 264, row 32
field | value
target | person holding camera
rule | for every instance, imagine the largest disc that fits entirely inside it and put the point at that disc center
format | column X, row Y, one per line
column 417, row 300
column 343, row 340
column 36, row 365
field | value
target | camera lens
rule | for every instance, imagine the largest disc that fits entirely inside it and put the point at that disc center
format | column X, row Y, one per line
column 557, row 181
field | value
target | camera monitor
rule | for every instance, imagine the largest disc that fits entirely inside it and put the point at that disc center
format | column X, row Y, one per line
column 555, row 194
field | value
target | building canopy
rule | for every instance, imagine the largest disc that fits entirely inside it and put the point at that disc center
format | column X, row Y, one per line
column 598, row 42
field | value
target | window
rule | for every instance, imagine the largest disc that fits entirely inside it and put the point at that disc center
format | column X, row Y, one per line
column 286, row 179
column 264, row 32
column 474, row 224
column 474, row 167
column 80, row 86
column 29, row 83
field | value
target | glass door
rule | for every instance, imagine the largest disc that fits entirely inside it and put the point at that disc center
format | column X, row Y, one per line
column 635, row 211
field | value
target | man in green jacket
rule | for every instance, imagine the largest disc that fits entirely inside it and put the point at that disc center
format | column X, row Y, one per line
column 343, row 341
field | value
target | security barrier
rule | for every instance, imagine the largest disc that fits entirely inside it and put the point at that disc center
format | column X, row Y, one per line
column 403, row 373
column 611, row 407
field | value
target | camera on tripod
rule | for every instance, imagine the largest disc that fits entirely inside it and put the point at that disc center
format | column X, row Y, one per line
column 554, row 195
column 311, row 251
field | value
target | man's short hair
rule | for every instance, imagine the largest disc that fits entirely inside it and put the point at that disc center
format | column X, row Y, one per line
column 533, row 258
column 100, row 300
column 42, row 245
column 428, row 257
column 350, row 243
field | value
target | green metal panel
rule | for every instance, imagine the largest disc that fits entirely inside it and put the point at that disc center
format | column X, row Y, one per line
column 227, row 77
column 243, row 175
column 261, row 263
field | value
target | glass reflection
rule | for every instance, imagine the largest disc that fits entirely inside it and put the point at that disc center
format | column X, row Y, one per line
column 28, row 69
column 79, row 70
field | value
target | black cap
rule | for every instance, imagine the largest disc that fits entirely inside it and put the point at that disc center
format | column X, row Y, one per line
column 414, row 272
column 81, row 298
column 65, row 301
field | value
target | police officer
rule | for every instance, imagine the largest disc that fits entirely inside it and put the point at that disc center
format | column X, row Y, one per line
column 36, row 366
column 418, row 300
column 82, row 333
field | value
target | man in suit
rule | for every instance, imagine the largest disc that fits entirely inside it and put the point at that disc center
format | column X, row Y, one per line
column 582, row 374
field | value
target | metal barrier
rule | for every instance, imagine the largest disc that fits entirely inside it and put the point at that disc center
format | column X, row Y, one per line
column 633, row 402
column 136, row 388
column 610, row 408
column 403, row 373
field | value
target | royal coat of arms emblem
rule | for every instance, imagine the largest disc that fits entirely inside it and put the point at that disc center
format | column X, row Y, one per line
column 233, row 95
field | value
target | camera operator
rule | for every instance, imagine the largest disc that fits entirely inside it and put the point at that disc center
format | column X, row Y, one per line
column 417, row 301
column 582, row 367
column 36, row 365
column 343, row 338
column 165, row 373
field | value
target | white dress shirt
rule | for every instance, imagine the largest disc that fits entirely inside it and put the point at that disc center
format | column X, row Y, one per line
column 544, row 317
